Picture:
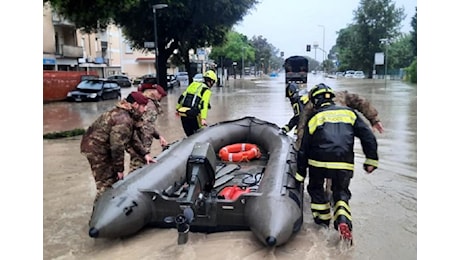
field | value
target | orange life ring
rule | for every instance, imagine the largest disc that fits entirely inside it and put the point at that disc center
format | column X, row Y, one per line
column 239, row 152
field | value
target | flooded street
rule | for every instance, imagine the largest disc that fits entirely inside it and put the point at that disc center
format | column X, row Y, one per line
column 383, row 204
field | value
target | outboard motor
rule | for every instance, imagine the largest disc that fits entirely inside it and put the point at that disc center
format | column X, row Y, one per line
column 200, row 172
column 200, row 176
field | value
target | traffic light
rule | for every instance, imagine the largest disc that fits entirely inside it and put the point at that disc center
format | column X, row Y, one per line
column 282, row 54
column 308, row 47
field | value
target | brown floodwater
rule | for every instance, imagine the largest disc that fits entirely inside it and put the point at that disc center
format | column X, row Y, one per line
column 383, row 204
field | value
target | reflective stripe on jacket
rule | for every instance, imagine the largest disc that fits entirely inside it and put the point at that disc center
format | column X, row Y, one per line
column 197, row 94
column 329, row 136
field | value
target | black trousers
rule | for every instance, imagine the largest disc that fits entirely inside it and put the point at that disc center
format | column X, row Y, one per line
column 190, row 125
column 320, row 205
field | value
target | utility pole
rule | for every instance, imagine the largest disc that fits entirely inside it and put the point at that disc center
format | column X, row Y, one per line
column 385, row 41
column 324, row 50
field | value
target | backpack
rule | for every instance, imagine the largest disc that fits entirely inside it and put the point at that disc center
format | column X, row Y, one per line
column 191, row 103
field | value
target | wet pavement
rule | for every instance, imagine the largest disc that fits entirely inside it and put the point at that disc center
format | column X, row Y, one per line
column 383, row 204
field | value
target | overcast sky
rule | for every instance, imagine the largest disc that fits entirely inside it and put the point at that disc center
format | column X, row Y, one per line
column 290, row 24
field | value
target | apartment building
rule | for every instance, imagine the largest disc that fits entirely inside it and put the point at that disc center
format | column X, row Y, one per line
column 65, row 48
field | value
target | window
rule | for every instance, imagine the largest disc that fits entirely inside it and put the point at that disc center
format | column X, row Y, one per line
column 128, row 48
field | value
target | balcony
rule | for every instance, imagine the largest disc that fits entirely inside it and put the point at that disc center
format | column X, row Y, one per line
column 69, row 51
column 58, row 20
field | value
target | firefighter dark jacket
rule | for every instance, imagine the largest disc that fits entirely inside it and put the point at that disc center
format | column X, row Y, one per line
column 328, row 140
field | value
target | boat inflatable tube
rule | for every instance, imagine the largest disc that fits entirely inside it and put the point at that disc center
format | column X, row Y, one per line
column 241, row 152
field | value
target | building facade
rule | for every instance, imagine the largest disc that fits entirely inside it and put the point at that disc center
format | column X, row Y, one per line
column 65, row 48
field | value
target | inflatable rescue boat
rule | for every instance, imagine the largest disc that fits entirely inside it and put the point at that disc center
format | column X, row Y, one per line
column 234, row 175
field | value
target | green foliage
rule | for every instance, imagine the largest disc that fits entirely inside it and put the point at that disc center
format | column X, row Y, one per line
column 358, row 43
column 400, row 52
column 411, row 72
column 64, row 134
column 414, row 33
column 233, row 47
column 183, row 25
column 264, row 49
column 91, row 16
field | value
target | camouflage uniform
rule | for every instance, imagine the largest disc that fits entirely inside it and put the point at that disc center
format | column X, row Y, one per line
column 342, row 98
column 144, row 132
column 104, row 144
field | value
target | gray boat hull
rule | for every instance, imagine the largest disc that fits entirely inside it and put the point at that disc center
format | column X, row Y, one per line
column 271, row 207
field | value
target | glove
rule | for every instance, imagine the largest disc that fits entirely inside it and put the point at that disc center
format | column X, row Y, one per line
column 299, row 177
column 369, row 168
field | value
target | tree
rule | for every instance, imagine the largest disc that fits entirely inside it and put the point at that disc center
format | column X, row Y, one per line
column 183, row 25
column 347, row 45
column 413, row 33
column 263, row 51
column 401, row 52
column 234, row 48
column 358, row 43
column 91, row 16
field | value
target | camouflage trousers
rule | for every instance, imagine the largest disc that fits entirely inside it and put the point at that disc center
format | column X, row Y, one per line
column 136, row 161
column 103, row 173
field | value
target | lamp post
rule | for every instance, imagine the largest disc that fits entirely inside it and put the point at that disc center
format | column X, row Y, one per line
column 242, row 64
column 155, row 7
column 324, row 50
column 385, row 41
column 262, row 65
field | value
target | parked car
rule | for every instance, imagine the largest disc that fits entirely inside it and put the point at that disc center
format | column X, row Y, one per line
column 182, row 76
column 172, row 81
column 359, row 74
column 147, row 80
column 349, row 73
column 138, row 80
column 95, row 90
column 198, row 77
column 122, row 80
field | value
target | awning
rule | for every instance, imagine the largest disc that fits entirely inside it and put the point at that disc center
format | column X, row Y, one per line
column 71, row 62
column 49, row 61
column 145, row 59
column 92, row 65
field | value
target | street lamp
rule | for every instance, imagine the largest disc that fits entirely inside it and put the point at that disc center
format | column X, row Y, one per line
column 324, row 50
column 386, row 42
column 262, row 65
column 242, row 64
column 155, row 7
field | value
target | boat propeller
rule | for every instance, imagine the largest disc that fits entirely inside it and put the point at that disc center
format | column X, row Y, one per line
column 182, row 224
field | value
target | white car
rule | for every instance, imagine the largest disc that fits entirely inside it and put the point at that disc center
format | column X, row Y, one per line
column 198, row 77
column 182, row 76
column 349, row 73
column 359, row 74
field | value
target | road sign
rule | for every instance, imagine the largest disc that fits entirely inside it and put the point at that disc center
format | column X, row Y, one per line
column 200, row 52
column 149, row 44
column 379, row 58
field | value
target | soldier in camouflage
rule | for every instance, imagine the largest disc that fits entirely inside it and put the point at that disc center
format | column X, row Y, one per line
column 342, row 98
column 145, row 130
column 105, row 141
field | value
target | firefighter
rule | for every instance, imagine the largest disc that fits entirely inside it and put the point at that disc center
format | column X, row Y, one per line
column 193, row 104
column 327, row 151
column 343, row 98
column 298, row 102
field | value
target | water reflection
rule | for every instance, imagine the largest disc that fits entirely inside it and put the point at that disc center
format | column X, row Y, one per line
column 384, row 204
